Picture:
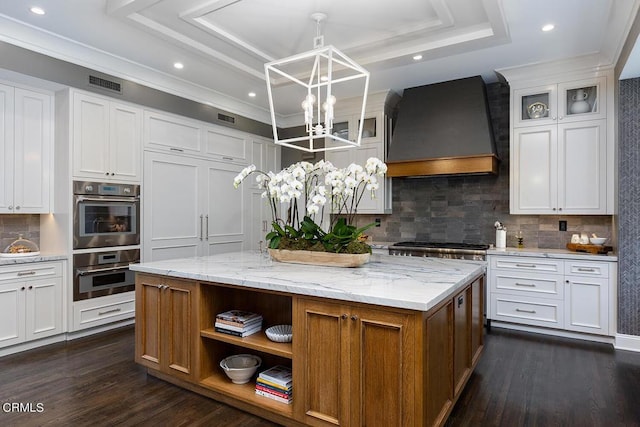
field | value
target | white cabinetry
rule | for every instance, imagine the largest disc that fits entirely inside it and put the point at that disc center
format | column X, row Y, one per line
column 375, row 137
column 190, row 207
column 561, row 144
column 30, row 302
column 107, row 139
column 26, row 139
column 564, row 294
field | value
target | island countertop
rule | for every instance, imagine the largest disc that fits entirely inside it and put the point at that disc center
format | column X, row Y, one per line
column 413, row 283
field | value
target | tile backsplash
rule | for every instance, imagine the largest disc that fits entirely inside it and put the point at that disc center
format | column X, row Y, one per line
column 12, row 226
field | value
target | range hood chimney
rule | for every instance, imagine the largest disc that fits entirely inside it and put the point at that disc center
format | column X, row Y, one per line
column 443, row 129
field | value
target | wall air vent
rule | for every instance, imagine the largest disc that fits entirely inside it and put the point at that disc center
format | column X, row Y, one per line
column 105, row 84
column 226, row 118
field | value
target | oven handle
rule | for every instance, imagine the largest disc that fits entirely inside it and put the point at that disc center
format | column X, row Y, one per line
column 82, row 272
column 107, row 199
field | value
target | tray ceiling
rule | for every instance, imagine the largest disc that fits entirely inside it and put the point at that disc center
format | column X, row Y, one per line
column 225, row 43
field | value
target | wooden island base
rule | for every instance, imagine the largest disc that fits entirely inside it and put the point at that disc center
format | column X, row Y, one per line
column 353, row 364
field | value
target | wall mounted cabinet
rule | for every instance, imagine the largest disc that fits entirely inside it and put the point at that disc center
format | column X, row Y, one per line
column 107, row 139
column 562, row 145
column 26, row 141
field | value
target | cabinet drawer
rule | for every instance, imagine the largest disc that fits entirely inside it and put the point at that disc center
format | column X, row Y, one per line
column 30, row 271
column 540, row 285
column 94, row 312
column 531, row 311
column 586, row 268
column 527, row 264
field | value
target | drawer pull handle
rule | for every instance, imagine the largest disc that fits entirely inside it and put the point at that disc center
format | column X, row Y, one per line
column 590, row 270
column 525, row 311
column 529, row 285
column 179, row 150
column 26, row 273
column 526, row 265
column 115, row 310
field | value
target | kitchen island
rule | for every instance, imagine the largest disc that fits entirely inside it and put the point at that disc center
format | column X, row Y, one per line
column 390, row 343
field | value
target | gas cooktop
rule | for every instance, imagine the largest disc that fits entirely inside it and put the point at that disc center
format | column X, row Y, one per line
column 441, row 245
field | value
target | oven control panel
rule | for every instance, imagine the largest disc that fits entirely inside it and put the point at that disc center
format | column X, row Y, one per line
column 105, row 189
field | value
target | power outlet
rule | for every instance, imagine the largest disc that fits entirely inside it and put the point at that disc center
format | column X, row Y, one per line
column 378, row 221
column 562, row 226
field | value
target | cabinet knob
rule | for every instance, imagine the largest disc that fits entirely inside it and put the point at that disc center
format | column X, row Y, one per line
column 106, row 173
column 560, row 118
column 17, row 208
column 113, row 173
column 10, row 207
column 344, row 316
column 354, row 317
column 22, row 288
column 566, row 281
column 30, row 287
column 559, row 209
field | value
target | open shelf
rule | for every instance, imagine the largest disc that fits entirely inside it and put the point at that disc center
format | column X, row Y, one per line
column 257, row 341
column 245, row 392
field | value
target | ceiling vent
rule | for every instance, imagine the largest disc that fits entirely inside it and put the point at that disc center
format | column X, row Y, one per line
column 101, row 83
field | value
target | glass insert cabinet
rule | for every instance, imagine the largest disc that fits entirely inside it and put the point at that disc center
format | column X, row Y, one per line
column 571, row 101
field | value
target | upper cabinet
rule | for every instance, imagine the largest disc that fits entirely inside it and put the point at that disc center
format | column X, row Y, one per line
column 376, row 131
column 562, row 145
column 26, row 139
column 107, row 138
column 560, row 103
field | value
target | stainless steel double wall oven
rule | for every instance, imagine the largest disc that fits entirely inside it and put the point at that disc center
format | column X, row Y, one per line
column 106, row 216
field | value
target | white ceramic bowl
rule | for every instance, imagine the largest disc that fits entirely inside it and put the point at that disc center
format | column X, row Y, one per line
column 597, row 240
column 240, row 367
column 279, row 333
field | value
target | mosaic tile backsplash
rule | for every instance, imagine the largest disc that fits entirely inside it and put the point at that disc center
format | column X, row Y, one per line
column 12, row 226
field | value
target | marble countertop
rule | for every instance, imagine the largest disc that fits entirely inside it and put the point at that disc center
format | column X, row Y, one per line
column 404, row 282
column 30, row 259
column 552, row 253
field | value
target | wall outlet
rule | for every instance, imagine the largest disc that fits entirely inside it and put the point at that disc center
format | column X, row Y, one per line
column 378, row 221
column 562, row 226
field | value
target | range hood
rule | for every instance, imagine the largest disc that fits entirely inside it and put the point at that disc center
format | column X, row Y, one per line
column 443, row 129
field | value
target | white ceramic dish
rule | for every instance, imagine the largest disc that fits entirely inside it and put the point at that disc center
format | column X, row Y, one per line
column 597, row 240
column 279, row 333
column 240, row 367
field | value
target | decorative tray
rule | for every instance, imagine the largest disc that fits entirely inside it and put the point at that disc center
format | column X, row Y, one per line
column 592, row 249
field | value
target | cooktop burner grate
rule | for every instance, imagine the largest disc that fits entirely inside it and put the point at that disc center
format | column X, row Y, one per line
column 440, row 250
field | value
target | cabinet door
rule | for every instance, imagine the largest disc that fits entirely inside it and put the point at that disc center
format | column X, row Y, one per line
column 534, row 170
column 382, row 356
column 178, row 331
column 172, row 133
column 6, row 149
column 535, row 106
column 149, row 317
column 225, row 210
column 582, row 168
column 90, row 137
column 12, row 313
column 43, row 308
column 32, row 134
column 587, row 305
column 439, row 370
column 125, row 142
column 173, row 220
column 461, row 339
column 477, row 319
column 582, row 100
column 322, row 379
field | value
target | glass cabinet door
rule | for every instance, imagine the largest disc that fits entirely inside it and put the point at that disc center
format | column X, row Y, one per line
column 535, row 106
column 582, row 100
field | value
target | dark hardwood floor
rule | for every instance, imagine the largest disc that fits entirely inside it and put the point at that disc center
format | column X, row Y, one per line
column 522, row 380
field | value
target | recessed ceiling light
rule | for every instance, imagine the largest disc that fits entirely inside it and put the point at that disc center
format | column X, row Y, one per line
column 178, row 65
column 37, row 10
column 252, row 94
column 417, row 57
column 548, row 27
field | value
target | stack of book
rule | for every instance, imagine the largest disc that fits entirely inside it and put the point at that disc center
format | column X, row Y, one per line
column 275, row 383
column 238, row 323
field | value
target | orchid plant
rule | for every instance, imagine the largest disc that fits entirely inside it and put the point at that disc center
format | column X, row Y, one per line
column 298, row 195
